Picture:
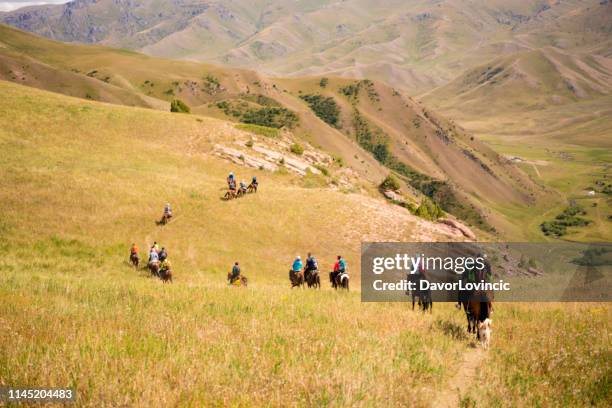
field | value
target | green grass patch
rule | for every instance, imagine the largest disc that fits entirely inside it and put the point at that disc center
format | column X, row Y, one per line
column 259, row 130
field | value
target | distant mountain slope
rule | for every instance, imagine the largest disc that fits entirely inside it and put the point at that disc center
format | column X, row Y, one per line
column 534, row 92
column 415, row 44
column 378, row 129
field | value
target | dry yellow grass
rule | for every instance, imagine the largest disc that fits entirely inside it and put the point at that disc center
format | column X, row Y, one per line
column 82, row 180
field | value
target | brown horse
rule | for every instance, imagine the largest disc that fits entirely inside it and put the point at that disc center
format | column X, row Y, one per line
column 252, row 188
column 312, row 278
column 243, row 280
column 166, row 275
column 164, row 219
column 230, row 195
column 154, row 268
column 477, row 310
column 296, row 278
column 134, row 259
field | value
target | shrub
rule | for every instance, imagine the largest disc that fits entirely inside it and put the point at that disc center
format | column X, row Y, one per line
column 249, row 143
column 322, row 169
column 323, row 82
column 297, row 148
column 390, row 183
column 179, row 106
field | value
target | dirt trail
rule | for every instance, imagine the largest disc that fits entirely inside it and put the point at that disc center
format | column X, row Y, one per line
column 466, row 375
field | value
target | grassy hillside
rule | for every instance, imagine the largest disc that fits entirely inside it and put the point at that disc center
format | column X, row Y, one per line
column 435, row 157
column 82, row 180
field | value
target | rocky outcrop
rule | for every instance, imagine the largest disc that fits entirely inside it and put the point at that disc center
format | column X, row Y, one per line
column 465, row 231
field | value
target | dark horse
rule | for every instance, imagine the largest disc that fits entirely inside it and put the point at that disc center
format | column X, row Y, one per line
column 252, row 188
column 134, row 259
column 312, row 278
column 296, row 278
column 425, row 302
column 477, row 305
column 339, row 280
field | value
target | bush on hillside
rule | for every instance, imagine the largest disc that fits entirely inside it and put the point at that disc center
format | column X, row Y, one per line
column 179, row 106
column 297, row 148
column 390, row 183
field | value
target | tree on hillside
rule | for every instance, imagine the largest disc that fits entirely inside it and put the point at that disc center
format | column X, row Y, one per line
column 179, row 106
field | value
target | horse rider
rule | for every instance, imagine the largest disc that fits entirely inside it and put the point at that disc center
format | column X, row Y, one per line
column 163, row 254
column 311, row 265
column 243, row 187
column 235, row 273
column 231, row 179
column 165, row 266
column 153, row 256
column 167, row 211
column 297, row 264
column 254, row 182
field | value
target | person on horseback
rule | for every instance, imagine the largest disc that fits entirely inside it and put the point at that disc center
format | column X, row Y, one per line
column 153, row 256
column 134, row 249
column 243, row 187
column 163, row 254
column 297, row 264
column 165, row 266
column 341, row 265
column 254, row 182
column 235, row 273
column 231, row 179
column 232, row 185
column 155, row 247
column 167, row 211
column 311, row 265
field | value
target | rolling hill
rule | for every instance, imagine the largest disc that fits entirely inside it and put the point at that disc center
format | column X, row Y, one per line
column 378, row 129
column 414, row 45
column 83, row 179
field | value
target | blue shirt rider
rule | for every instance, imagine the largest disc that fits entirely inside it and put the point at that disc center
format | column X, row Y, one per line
column 297, row 264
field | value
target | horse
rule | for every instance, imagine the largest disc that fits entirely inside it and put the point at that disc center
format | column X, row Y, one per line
column 134, row 259
column 252, row 188
column 242, row 280
column 477, row 304
column 339, row 280
column 477, row 307
column 154, row 268
column 312, row 278
column 166, row 275
column 164, row 219
column 241, row 192
column 425, row 302
column 230, row 195
column 296, row 278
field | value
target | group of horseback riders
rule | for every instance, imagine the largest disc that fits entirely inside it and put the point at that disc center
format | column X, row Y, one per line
column 158, row 263
column 234, row 192
column 310, row 274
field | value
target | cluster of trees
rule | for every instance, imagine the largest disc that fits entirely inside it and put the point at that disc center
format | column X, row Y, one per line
column 570, row 217
column 325, row 108
column 269, row 116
